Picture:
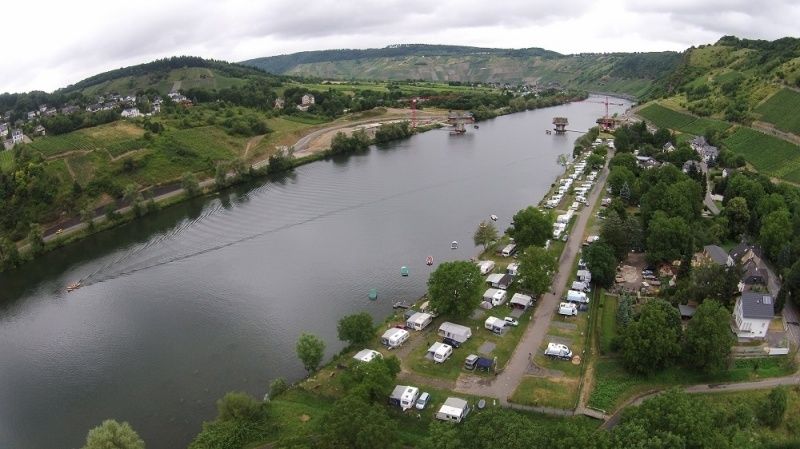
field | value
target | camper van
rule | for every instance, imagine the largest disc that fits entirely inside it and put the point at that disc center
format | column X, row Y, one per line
column 404, row 396
column 441, row 352
column 567, row 309
column 394, row 337
column 453, row 410
column 576, row 296
column 367, row 355
column 509, row 250
column 486, row 266
column 419, row 321
column 558, row 351
column 495, row 296
column 495, row 324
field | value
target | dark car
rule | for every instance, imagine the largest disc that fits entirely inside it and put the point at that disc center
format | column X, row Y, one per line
column 451, row 342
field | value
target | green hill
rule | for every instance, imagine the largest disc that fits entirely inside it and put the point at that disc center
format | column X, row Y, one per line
column 627, row 73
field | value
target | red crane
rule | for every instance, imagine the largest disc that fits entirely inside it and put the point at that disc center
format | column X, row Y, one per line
column 606, row 120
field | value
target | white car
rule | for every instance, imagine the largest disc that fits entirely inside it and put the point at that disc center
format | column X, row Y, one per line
column 511, row 321
column 422, row 401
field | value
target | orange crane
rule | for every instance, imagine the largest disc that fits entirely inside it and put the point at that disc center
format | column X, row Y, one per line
column 606, row 121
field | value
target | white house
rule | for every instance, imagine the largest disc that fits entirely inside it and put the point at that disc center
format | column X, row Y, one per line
column 453, row 410
column 4, row 127
column 131, row 113
column 16, row 136
column 752, row 314
column 307, row 100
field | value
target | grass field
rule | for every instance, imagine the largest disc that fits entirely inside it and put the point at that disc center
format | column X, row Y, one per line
column 6, row 160
column 781, row 110
column 736, row 403
column 608, row 323
column 770, row 155
column 613, row 384
column 121, row 136
column 549, row 392
column 667, row 118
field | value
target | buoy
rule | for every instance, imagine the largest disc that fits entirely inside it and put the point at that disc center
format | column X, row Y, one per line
column 429, row 260
column 404, row 271
column 373, row 294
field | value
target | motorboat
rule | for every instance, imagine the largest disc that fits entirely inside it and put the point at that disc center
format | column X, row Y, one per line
column 493, row 217
column 73, row 286
column 454, row 245
column 429, row 260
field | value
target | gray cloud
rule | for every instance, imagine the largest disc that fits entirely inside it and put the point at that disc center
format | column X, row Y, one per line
column 103, row 37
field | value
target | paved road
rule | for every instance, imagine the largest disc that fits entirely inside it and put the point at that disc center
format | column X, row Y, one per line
column 507, row 381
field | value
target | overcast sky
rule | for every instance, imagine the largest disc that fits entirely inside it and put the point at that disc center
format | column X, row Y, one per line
column 51, row 44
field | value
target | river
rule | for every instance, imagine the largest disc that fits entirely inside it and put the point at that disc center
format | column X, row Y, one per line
column 209, row 296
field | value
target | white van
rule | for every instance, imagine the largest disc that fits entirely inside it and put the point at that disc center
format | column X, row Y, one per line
column 409, row 398
column 576, row 296
column 509, row 250
column 419, row 321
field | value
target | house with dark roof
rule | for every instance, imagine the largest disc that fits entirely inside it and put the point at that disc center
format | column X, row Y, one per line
column 744, row 252
column 753, row 274
column 752, row 314
column 715, row 254
column 687, row 166
column 668, row 147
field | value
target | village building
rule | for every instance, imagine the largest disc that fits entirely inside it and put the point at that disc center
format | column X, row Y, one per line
column 131, row 113
column 31, row 115
column 4, row 127
column 751, row 315
column 707, row 152
column 39, row 131
column 16, row 136
column 279, row 103
column 71, row 109
column 713, row 254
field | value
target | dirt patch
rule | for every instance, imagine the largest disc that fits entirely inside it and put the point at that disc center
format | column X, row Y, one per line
column 537, row 371
column 304, row 418
column 563, row 325
column 487, row 348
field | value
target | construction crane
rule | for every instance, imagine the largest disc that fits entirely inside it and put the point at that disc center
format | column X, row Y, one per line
column 605, row 121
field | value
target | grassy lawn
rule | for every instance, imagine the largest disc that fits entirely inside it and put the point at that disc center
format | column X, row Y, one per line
column 454, row 366
column 6, row 160
column 547, row 392
column 607, row 329
column 613, row 384
column 739, row 401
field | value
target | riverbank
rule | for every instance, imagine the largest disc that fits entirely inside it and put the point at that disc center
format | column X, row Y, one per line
column 311, row 147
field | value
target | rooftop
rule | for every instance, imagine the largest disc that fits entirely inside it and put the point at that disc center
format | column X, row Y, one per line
column 757, row 305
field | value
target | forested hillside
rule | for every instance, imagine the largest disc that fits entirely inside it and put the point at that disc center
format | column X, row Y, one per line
column 627, row 73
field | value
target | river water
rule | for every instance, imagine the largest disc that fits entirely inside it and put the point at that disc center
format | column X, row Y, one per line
column 210, row 296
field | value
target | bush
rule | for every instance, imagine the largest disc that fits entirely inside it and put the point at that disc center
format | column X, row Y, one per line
column 277, row 387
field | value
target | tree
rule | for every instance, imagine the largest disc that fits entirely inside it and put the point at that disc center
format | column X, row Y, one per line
column 772, row 408
column 87, row 216
column 536, row 268
column 712, row 281
column 614, row 233
column 708, row 340
column 776, row 231
column 239, row 406
column 36, row 239
column 594, row 161
column 221, row 174
column 9, row 254
column 372, row 381
column 356, row 329
column 485, row 234
column 653, row 341
column 668, row 239
column 353, row 423
column 600, row 261
column 441, row 435
column 738, row 215
column 454, row 288
column 531, row 227
column 113, row 435
column 277, row 387
column 190, row 184
column 310, row 350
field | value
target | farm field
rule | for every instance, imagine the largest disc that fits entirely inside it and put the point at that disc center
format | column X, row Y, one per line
column 6, row 160
column 770, row 155
column 120, row 136
column 667, row 118
column 781, row 110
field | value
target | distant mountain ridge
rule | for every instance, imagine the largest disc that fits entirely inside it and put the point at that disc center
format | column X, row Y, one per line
column 629, row 73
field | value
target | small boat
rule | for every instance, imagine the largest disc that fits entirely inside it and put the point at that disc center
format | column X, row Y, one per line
column 493, row 217
column 429, row 260
column 373, row 294
column 400, row 305
column 403, row 271
column 73, row 286
column 454, row 245
column 476, row 126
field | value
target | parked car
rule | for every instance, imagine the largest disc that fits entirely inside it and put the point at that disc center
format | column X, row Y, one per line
column 451, row 342
column 511, row 321
column 422, row 401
